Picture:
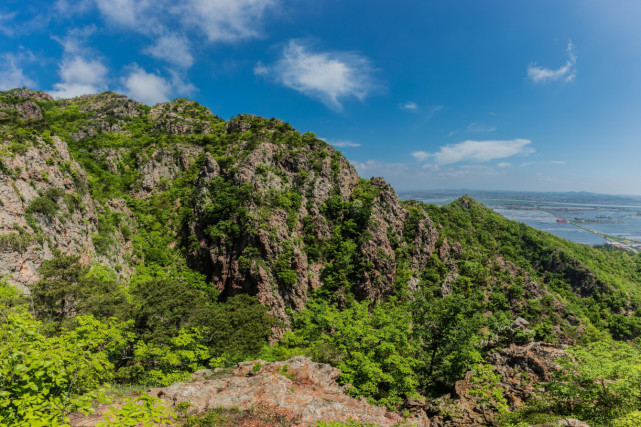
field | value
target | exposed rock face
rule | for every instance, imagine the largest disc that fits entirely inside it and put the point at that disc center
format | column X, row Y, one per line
column 164, row 165
column 315, row 172
column 521, row 369
column 177, row 118
column 306, row 391
column 29, row 94
column 25, row 243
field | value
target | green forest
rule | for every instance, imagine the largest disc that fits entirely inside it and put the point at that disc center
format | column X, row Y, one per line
column 93, row 332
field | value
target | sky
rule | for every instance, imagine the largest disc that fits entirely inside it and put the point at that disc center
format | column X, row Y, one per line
column 532, row 95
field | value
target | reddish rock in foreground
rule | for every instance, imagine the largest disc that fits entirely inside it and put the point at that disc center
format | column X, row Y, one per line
column 305, row 391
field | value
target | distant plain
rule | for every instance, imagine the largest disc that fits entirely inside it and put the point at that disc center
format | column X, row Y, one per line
column 618, row 216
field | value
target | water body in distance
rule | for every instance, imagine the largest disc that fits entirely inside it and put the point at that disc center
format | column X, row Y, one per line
column 618, row 216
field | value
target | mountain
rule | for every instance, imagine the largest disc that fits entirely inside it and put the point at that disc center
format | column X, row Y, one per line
column 214, row 241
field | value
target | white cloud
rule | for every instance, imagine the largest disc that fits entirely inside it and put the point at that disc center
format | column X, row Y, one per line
column 71, row 7
column 174, row 27
column 129, row 13
column 180, row 84
column 11, row 71
column 330, row 77
column 558, row 162
column 226, row 20
column 340, row 144
column 566, row 73
column 173, row 49
column 504, row 164
column 80, row 76
column 81, row 70
column 409, row 105
column 261, row 69
column 148, row 88
column 24, row 25
column 476, row 151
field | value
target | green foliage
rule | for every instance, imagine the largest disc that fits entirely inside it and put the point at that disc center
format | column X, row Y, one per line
column 485, row 386
column 44, row 206
column 240, row 328
column 284, row 371
column 67, row 288
column 598, row 383
column 142, row 410
column 20, row 241
column 43, row 379
column 226, row 215
column 447, row 329
column 372, row 350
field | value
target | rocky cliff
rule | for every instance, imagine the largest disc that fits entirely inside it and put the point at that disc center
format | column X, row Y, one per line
column 294, row 196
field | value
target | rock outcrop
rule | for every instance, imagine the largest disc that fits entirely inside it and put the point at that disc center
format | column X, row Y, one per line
column 44, row 206
column 299, row 391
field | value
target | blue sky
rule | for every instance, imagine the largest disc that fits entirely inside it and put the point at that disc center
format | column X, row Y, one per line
column 515, row 95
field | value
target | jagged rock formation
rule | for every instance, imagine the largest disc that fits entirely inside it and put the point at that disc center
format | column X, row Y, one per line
column 289, row 182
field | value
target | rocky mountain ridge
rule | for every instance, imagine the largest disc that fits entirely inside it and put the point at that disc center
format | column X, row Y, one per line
column 286, row 186
column 251, row 206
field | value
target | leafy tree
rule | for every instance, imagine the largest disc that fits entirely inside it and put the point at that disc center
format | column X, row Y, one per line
column 43, row 379
column 373, row 350
column 239, row 328
column 68, row 288
column 597, row 383
column 447, row 329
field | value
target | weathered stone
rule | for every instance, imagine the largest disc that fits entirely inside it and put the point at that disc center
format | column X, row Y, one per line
column 307, row 390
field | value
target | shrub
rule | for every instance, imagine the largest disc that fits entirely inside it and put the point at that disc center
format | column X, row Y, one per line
column 42, row 205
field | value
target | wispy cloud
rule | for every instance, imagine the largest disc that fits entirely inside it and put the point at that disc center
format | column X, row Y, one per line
column 12, row 74
column 81, row 70
column 435, row 109
column 5, row 23
column 373, row 167
column 23, row 25
column 175, row 27
column 504, row 165
column 566, row 73
column 340, row 143
column 409, row 105
column 476, row 151
column 480, row 127
column 173, row 49
column 330, row 77
column 225, row 20
column 558, row 162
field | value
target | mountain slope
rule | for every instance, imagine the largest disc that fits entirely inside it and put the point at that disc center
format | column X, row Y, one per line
column 190, row 230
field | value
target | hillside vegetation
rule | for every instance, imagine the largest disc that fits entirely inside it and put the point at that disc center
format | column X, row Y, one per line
column 138, row 245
